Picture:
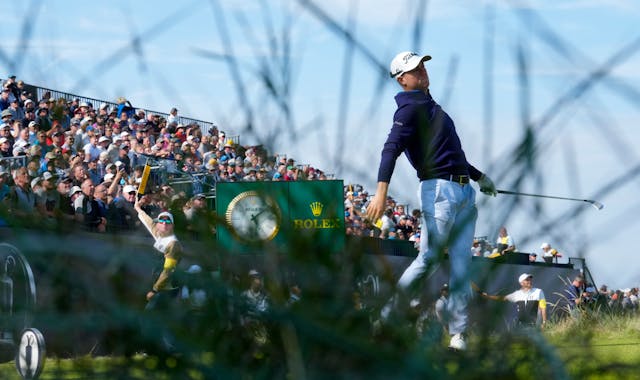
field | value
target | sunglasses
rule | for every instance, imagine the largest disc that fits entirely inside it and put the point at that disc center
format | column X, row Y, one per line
column 164, row 221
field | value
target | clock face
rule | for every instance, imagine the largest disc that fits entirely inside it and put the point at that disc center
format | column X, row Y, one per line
column 253, row 217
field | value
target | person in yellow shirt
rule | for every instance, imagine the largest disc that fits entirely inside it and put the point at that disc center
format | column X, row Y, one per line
column 166, row 242
column 505, row 243
column 548, row 253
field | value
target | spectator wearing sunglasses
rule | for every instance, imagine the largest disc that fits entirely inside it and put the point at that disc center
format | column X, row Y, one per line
column 166, row 242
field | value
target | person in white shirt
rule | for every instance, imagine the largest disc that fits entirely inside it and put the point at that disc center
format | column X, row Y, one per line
column 530, row 302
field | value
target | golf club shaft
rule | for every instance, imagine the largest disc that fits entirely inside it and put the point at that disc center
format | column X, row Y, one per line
column 597, row 204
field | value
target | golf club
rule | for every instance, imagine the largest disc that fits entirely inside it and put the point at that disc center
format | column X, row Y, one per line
column 593, row 203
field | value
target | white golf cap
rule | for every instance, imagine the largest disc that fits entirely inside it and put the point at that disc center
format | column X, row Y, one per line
column 103, row 139
column 108, row 177
column 545, row 246
column 524, row 276
column 75, row 189
column 35, row 181
column 406, row 61
column 165, row 214
column 128, row 189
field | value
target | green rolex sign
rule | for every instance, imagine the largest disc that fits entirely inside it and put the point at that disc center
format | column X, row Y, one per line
column 280, row 215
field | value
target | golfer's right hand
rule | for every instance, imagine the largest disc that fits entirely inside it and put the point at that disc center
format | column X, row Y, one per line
column 487, row 186
column 376, row 208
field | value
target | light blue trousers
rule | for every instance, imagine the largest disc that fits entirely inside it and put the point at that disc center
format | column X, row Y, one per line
column 449, row 216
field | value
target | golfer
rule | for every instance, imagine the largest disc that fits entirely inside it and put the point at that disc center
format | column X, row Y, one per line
column 428, row 138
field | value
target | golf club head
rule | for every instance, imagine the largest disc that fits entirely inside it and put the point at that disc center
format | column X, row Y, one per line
column 597, row 205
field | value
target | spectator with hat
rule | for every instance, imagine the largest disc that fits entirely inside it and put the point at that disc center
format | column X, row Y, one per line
column 198, row 218
column 122, row 215
column 254, row 301
column 13, row 88
column 530, row 302
column 5, row 102
column 548, row 253
column 442, row 307
column 47, row 196
column 5, row 147
column 166, row 243
column 64, row 185
column 43, row 119
column 4, row 183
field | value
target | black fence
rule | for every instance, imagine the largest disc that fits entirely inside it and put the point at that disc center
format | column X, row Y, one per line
column 37, row 92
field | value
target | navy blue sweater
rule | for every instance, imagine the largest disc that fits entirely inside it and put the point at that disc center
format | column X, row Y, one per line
column 427, row 136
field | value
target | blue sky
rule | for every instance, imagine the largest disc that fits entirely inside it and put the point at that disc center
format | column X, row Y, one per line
column 86, row 48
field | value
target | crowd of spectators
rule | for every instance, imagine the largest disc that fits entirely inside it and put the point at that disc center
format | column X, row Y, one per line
column 67, row 162
column 620, row 301
column 70, row 161
column 395, row 224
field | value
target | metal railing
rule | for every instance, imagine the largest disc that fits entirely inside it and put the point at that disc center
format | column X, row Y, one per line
column 39, row 92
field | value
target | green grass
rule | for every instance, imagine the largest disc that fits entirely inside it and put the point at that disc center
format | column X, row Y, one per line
column 591, row 347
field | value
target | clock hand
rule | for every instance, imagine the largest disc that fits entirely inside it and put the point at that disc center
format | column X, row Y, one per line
column 255, row 216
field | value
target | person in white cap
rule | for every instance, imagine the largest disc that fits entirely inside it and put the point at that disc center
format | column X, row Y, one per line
column 167, row 244
column 428, row 138
column 530, row 302
column 548, row 253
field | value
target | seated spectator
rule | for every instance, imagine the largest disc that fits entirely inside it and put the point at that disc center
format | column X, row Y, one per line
column 21, row 200
column 505, row 243
column 476, row 248
column 47, row 196
column 548, row 253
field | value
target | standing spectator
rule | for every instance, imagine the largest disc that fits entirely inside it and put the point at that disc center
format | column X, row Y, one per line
column 530, row 302
column 574, row 292
column 255, row 301
column 442, row 307
column 173, row 116
column 13, row 88
column 66, row 206
column 163, row 290
column 17, row 113
column 4, row 183
column 91, row 150
column 43, row 119
column 122, row 213
column 427, row 136
column 5, row 102
column 100, row 195
column 78, row 174
column 87, row 210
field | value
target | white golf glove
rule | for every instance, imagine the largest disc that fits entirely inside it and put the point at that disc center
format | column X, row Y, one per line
column 487, row 186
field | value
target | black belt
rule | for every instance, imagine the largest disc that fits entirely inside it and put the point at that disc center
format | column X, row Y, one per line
column 461, row 179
